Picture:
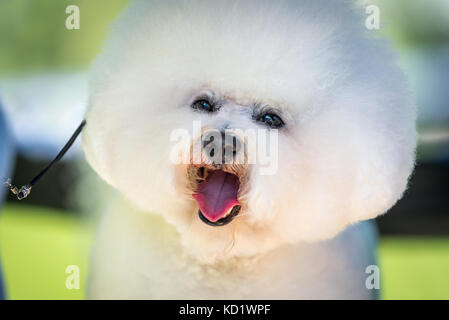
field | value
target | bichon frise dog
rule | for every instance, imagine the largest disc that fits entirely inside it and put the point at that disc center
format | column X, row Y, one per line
column 314, row 109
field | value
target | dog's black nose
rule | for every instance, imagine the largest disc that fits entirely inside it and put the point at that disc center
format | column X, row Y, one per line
column 222, row 147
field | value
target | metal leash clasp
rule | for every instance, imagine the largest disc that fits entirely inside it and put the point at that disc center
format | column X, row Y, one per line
column 21, row 193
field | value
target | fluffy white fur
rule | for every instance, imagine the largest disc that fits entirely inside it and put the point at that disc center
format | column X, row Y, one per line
column 344, row 156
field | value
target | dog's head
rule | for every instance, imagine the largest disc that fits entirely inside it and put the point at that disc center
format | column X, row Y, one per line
column 248, row 124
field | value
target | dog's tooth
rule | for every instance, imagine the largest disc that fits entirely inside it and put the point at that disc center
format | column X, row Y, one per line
column 229, row 212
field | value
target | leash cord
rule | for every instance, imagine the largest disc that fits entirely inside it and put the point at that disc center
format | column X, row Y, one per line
column 25, row 190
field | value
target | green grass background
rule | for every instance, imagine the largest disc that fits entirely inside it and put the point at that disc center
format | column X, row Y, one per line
column 37, row 245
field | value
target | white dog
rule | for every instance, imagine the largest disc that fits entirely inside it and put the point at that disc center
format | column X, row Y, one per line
column 307, row 70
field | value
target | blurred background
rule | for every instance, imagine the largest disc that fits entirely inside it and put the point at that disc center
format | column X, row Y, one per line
column 43, row 91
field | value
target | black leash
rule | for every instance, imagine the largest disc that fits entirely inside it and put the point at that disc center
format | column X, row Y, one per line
column 25, row 190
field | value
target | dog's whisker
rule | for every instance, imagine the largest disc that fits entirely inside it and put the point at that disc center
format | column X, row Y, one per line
column 192, row 221
column 232, row 243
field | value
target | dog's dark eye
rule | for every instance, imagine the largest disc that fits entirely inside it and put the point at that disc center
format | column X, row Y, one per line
column 203, row 105
column 272, row 120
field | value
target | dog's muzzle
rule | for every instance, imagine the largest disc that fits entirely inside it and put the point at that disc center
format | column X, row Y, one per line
column 219, row 178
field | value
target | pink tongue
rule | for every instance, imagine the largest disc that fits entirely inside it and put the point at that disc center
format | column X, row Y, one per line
column 217, row 195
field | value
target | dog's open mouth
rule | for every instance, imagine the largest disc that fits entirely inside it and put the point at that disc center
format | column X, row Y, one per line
column 217, row 197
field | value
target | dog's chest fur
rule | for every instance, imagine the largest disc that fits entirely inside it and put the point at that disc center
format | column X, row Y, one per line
column 139, row 256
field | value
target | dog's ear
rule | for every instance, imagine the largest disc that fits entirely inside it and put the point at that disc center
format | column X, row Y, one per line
column 96, row 143
column 360, row 150
column 380, row 179
column 381, row 143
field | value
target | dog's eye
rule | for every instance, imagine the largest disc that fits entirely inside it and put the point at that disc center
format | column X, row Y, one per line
column 203, row 105
column 272, row 120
